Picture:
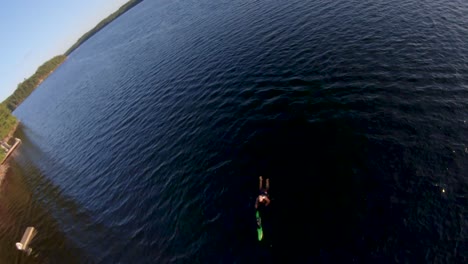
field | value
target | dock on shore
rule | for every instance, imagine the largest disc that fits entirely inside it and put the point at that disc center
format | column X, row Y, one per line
column 12, row 148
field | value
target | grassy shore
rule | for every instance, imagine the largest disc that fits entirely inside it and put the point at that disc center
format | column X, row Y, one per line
column 2, row 152
column 5, row 166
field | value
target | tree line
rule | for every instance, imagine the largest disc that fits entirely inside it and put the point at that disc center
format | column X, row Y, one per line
column 102, row 24
column 7, row 121
column 25, row 88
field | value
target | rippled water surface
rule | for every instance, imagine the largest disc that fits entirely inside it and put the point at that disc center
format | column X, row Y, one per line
column 146, row 145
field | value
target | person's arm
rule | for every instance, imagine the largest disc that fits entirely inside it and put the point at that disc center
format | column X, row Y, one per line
column 267, row 200
column 268, row 184
column 260, row 183
column 256, row 203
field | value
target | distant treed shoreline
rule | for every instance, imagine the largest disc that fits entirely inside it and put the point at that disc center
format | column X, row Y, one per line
column 102, row 24
column 25, row 88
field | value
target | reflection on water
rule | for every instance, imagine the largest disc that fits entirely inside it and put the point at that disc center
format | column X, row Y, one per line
column 24, row 203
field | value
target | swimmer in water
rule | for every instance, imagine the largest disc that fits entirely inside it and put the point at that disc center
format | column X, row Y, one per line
column 263, row 198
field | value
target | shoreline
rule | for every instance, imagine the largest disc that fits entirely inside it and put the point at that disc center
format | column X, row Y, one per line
column 12, row 131
column 5, row 164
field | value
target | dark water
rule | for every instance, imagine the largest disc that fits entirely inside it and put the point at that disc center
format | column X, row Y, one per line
column 146, row 145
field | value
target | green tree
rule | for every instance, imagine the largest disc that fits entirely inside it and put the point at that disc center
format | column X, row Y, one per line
column 7, row 121
column 26, row 87
column 127, row 6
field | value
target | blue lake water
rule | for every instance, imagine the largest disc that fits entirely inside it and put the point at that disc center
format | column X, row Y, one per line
column 146, row 145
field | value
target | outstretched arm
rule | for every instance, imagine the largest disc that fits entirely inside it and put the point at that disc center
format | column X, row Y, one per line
column 260, row 183
column 268, row 184
column 267, row 201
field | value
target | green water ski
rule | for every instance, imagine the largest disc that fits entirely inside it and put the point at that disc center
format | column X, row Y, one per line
column 259, row 226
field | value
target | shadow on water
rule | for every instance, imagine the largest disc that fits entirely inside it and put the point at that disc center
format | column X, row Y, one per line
column 20, row 209
column 320, row 181
column 338, row 195
column 29, row 198
column 317, row 183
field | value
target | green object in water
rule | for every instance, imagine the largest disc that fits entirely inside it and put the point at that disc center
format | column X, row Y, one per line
column 259, row 226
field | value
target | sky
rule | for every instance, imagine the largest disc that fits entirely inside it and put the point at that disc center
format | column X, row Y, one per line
column 32, row 32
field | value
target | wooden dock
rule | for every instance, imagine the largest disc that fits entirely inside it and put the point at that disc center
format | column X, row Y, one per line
column 28, row 236
column 17, row 142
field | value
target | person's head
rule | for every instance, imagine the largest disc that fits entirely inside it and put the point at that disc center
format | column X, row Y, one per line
column 262, row 199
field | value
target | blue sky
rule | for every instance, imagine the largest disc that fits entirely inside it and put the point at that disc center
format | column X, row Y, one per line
column 32, row 32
